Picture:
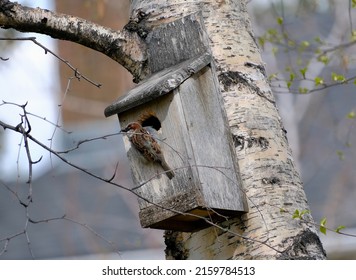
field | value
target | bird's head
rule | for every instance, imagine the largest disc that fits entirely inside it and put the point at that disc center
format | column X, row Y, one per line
column 131, row 126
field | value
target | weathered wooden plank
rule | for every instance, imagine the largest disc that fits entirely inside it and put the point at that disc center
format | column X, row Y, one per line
column 175, row 147
column 175, row 42
column 209, row 136
column 159, row 84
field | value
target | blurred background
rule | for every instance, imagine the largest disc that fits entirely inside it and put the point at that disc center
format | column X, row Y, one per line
column 101, row 218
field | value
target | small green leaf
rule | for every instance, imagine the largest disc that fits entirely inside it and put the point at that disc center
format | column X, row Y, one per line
column 273, row 76
column 318, row 81
column 296, row 214
column 351, row 115
column 305, row 44
column 340, row 154
column 324, row 59
column 337, row 78
column 303, row 71
column 299, row 214
column 280, row 20
column 318, row 40
column 322, row 230
column 322, row 227
column 274, row 50
column 303, row 90
column 339, row 228
column 272, row 32
column 289, row 84
column 262, row 41
column 353, row 3
column 353, row 35
column 291, row 43
column 304, row 212
column 299, row 61
column 291, row 77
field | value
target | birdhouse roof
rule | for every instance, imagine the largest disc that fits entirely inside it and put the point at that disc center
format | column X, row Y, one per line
column 158, row 84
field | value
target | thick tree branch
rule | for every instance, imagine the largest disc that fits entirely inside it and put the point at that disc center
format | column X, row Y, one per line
column 125, row 47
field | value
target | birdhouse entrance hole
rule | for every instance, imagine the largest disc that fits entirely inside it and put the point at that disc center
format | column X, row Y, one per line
column 150, row 119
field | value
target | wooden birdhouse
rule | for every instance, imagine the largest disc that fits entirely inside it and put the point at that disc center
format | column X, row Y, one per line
column 182, row 105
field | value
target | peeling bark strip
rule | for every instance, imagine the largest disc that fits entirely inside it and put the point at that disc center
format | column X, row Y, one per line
column 264, row 158
column 305, row 245
column 175, row 246
column 6, row 7
column 231, row 78
column 271, row 180
column 239, row 142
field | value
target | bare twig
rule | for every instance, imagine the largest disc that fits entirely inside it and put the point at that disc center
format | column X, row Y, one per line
column 88, row 228
column 8, row 239
column 81, row 142
column 29, row 246
column 77, row 74
column 109, row 242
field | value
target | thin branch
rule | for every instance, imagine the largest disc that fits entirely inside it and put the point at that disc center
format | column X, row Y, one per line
column 59, row 115
column 338, row 47
column 81, row 142
column 12, row 236
column 8, row 239
column 77, row 74
column 14, row 194
column 350, row 18
column 4, row 249
column 292, row 90
column 91, row 230
column 56, row 125
column 302, row 219
column 110, row 243
column 29, row 158
column 29, row 246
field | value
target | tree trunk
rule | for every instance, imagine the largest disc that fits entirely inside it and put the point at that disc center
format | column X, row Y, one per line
column 270, row 180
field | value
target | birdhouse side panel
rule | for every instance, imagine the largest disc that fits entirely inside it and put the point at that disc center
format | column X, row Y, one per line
column 209, row 135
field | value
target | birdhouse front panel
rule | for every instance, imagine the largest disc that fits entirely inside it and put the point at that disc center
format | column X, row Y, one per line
column 149, row 177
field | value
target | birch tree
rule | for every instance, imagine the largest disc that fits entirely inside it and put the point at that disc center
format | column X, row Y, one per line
column 278, row 224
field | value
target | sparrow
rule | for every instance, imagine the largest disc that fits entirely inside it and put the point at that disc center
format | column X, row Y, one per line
column 145, row 143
